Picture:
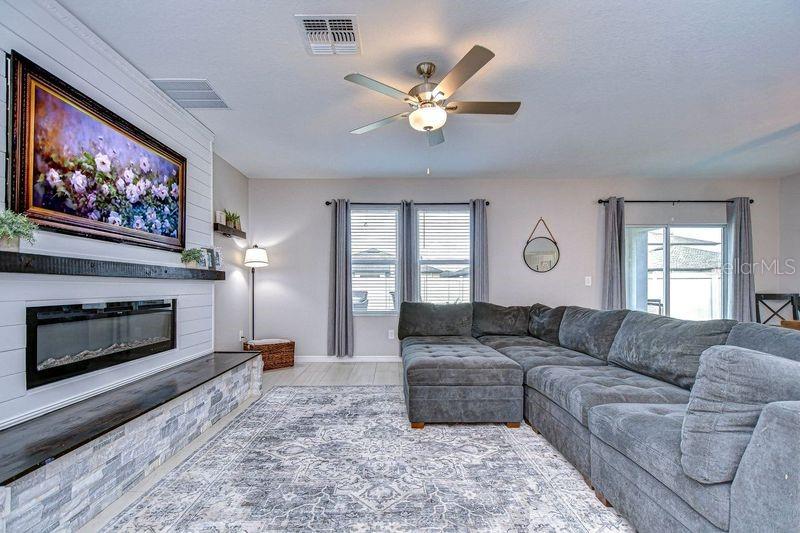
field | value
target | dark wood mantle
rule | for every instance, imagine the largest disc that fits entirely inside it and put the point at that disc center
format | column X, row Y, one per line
column 21, row 263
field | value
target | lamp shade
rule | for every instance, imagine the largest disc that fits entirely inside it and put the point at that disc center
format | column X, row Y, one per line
column 256, row 257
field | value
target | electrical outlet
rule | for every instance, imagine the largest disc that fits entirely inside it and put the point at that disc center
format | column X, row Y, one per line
column 391, row 334
column 587, row 281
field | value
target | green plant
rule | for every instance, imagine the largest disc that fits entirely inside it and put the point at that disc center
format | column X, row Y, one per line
column 231, row 218
column 16, row 225
column 192, row 255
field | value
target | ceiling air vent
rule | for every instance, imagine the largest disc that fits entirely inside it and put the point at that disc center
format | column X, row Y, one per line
column 191, row 93
column 330, row 34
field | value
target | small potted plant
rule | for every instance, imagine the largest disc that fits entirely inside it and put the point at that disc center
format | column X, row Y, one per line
column 230, row 218
column 13, row 227
column 192, row 256
column 233, row 220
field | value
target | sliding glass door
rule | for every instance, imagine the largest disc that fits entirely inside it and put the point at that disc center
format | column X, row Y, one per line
column 675, row 270
column 644, row 268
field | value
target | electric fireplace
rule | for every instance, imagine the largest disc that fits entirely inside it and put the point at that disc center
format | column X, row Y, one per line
column 69, row 340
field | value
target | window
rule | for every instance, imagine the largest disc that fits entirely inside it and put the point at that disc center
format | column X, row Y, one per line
column 373, row 241
column 443, row 244
column 675, row 270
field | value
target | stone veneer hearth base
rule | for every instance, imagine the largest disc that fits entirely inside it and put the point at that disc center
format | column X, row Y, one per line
column 69, row 491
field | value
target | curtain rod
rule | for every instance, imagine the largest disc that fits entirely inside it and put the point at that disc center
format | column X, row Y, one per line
column 329, row 202
column 601, row 201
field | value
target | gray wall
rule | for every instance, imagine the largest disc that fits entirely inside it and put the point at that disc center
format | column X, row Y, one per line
column 288, row 216
column 232, row 296
column 790, row 233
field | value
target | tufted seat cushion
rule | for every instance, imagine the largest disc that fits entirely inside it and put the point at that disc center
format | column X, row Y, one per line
column 505, row 341
column 433, row 340
column 434, row 361
column 532, row 356
column 577, row 389
column 650, row 436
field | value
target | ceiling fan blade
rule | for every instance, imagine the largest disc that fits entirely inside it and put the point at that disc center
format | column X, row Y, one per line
column 464, row 70
column 483, row 108
column 375, row 85
column 435, row 137
column 378, row 124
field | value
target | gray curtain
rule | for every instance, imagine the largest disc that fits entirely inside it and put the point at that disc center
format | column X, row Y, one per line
column 614, row 254
column 340, row 306
column 739, row 244
column 409, row 277
column 479, row 251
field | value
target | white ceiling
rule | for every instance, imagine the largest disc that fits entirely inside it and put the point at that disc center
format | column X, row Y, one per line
column 614, row 88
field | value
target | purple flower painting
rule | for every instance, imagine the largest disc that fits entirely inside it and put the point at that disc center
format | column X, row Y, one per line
column 79, row 168
column 86, row 168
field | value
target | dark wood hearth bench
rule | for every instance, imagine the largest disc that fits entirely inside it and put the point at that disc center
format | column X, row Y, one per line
column 61, row 469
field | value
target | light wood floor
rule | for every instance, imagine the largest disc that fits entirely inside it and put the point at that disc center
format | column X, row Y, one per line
column 311, row 374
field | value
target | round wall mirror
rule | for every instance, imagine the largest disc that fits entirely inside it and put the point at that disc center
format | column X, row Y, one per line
column 541, row 254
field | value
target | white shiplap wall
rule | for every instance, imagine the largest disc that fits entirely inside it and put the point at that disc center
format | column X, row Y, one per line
column 47, row 34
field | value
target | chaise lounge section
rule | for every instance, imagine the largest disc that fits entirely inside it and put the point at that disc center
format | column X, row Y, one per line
column 615, row 392
column 451, row 377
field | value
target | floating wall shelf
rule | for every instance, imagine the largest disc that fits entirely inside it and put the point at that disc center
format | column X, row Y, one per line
column 229, row 231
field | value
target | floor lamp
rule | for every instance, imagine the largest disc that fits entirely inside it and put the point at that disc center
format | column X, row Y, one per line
column 254, row 258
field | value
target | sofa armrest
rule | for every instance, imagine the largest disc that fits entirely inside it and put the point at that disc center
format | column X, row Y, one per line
column 765, row 495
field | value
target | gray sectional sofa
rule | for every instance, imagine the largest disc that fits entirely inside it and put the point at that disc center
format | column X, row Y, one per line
column 681, row 425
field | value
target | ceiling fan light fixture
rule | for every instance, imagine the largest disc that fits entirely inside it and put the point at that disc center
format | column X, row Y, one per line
column 427, row 117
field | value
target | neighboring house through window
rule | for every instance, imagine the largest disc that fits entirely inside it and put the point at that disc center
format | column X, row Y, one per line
column 442, row 264
column 676, row 270
column 373, row 243
column 443, row 244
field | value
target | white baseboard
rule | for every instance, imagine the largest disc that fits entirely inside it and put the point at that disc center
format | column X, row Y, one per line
column 355, row 359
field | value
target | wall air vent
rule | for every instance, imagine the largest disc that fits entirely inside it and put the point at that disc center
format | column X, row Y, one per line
column 330, row 34
column 191, row 93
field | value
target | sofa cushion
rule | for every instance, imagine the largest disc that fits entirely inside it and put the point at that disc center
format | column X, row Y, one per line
column 650, row 436
column 590, row 331
column 532, row 356
column 782, row 342
column 545, row 322
column 491, row 319
column 437, row 339
column 417, row 318
column 504, row 341
column 733, row 386
column 577, row 389
column 666, row 348
column 458, row 364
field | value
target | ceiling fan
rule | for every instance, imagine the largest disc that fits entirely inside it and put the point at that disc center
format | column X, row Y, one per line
column 430, row 102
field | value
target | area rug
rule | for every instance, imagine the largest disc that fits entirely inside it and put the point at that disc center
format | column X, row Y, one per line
column 345, row 459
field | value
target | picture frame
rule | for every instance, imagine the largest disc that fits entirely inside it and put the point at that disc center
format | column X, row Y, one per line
column 78, row 168
column 203, row 262
column 209, row 257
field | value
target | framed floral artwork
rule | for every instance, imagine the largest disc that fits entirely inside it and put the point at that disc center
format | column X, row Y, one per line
column 76, row 167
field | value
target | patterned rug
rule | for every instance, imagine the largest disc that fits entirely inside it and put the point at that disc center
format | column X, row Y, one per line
column 345, row 459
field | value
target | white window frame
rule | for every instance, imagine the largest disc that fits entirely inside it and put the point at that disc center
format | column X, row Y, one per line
column 397, row 274
column 418, row 262
column 667, row 244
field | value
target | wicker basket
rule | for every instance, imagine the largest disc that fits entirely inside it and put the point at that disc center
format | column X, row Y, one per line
column 276, row 353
